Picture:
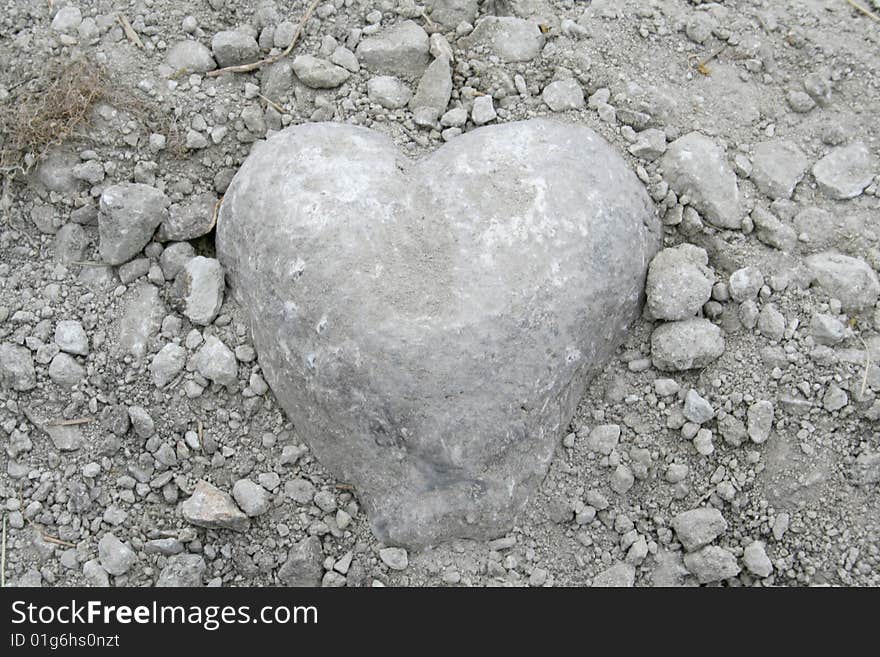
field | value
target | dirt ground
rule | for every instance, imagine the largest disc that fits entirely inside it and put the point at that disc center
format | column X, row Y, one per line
column 799, row 505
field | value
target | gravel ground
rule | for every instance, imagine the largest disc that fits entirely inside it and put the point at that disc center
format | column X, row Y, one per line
column 731, row 441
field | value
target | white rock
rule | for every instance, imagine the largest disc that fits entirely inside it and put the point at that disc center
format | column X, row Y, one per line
column 199, row 287
column 760, row 421
column 563, row 95
column 115, row 556
column 684, row 345
column 756, row 560
column 252, row 498
column 167, row 364
column 777, row 167
column 394, row 557
column 483, row 110
column 70, row 336
column 846, row 171
column 388, row 91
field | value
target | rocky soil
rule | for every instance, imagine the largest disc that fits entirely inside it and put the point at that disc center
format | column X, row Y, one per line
column 732, row 440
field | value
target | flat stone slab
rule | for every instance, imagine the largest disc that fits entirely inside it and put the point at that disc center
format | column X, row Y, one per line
column 429, row 326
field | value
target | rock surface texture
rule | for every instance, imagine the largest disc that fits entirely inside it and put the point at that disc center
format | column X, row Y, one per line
column 430, row 339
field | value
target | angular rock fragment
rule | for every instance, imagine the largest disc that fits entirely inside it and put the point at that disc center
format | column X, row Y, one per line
column 319, row 73
column 211, row 508
column 563, row 95
column 398, row 50
column 167, row 364
column 388, row 91
column 115, row 556
column 756, row 560
column 450, row 14
column 190, row 56
column 140, row 321
column 216, row 362
column 698, row 527
column 435, row 87
column 679, row 282
column 685, row 345
column 303, row 566
column 233, row 47
column 711, row 564
column 509, row 38
column 199, row 289
column 183, row 570
column 65, row 438
column 17, row 367
column 777, row 166
column 130, row 214
column 70, row 336
column 65, row 371
column 621, row 575
column 189, row 220
column 846, row 171
column 696, row 166
column 847, row 279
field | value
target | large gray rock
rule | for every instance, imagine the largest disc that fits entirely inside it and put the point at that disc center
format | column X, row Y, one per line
column 430, row 339
column 696, row 166
column 398, row 50
column 130, row 214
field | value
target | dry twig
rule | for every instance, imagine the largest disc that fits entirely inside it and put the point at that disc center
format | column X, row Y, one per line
column 271, row 102
column 701, row 65
column 129, row 31
column 867, row 365
column 245, row 68
column 867, row 12
column 68, row 423
column 56, row 541
column 3, row 556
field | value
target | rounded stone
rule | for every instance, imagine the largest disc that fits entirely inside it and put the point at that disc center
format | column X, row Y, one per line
column 430, row 326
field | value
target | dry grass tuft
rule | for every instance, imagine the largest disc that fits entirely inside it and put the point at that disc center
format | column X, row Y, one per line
column 47, row 110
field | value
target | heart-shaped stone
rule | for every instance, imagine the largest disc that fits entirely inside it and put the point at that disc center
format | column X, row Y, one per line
column 429, row 326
